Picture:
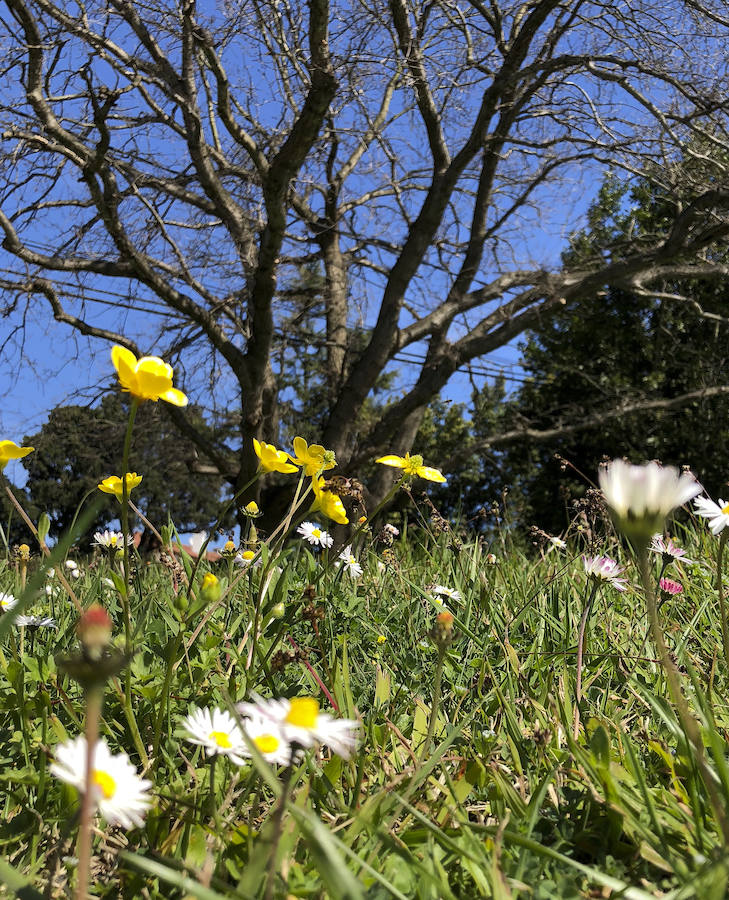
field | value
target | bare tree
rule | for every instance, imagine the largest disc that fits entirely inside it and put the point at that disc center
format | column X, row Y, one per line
column 193, row 161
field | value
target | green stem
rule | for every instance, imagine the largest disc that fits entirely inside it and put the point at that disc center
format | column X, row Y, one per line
column 277, row 829
column 125, row 533
column 94, row 697
column 425, row 749
column 174, row 650
column 580, row 648
column 688, row 722
column 720, row 591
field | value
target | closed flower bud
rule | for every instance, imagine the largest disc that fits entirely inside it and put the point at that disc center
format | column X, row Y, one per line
column 210, row 590
column 94, row 631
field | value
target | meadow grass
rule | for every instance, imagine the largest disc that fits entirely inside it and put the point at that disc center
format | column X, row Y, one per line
column 475, row 774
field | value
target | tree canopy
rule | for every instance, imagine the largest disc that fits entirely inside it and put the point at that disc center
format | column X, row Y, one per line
column 188, row 161
column 79, row 446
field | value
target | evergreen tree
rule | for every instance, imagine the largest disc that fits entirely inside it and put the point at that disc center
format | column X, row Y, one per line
column 79, row 446
column 613, row 348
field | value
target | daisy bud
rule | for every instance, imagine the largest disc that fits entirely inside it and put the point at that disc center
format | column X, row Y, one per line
column 442, row 632
column 94, row 631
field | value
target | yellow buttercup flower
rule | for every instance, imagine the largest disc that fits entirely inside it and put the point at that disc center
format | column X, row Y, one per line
column 114, row 485
column 272, row 460
column 412, row 466
column 10, row 450
column 327, row 503
column 147, row 378
column 313, row 458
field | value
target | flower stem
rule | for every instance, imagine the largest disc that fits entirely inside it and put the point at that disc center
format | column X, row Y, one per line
column 720, row 591
column 278, row 827
column 688, row 721
column 94, row 698
column 425, row 749
column 125, row 533
column 580, row 648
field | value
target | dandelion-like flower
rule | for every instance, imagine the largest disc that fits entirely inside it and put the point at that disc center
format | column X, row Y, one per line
column 10, row 450
column 272, row 460
column 716, row 513
column 348, row 559
column 302, row 723
column 412, row 466
column 605, row 569
column 328, row 503
column 640, row 497
column 114, row 485
column 217, row 732
column 315, row 535
column 147, row 378
column 7, row 602
column 119, row 793
column 668, row 550
column 313, row 458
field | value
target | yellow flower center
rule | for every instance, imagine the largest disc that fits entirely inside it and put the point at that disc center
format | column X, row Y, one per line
column 221, row 739
column 412, row 464
column 303, row 713
column 229, row 547
column 725, row 510
column 248, row 554
column 252, row 507
column 105, row 783
column 266, row 743
column 112, row 540
column 316, row 533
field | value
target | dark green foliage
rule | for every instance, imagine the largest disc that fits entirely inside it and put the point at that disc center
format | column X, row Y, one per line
column 613, row 349
column 79, row 446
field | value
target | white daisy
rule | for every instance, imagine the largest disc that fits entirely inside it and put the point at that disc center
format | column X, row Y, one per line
column 301, row 722
column 668, row 550
column 218, row 732
column 605, row 569
column 312, row 533
column 36, row 622
column 119, row 793
column 716, row 513
column 269, row 740
column 440, row 590
column 641, row 497
column 354, row 569
column 7, row 602
column 111, row 539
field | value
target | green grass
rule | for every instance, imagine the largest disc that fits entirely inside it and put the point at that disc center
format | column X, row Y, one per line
column 503, row 802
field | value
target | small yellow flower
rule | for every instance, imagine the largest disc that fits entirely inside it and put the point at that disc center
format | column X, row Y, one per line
column 327, row 503
column 314, row 459
column 272, row 460
column 10, row 450
column 381, row 638
column 251, row 510
column 23, row 552
column 229, row 547
column 113, row 484
column 412, row 466
column 210, row 589
column 147, row 378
